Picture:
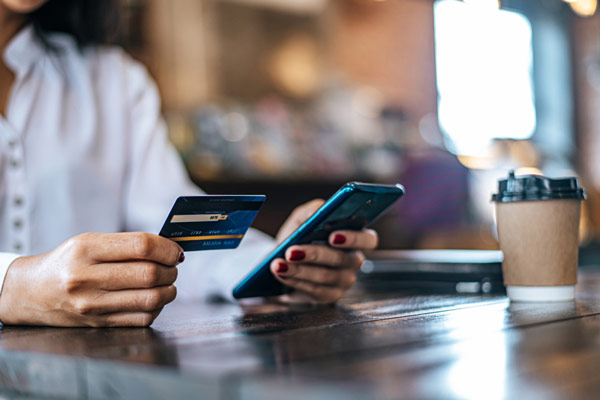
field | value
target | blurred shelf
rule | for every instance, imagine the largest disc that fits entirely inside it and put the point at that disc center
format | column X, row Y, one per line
column 283, row 180
column 290, row 6
column 282, row 195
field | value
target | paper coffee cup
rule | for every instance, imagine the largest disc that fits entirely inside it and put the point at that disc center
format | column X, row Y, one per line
column 538, row 225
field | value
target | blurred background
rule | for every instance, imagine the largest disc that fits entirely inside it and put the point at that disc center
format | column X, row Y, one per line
column 292, row 98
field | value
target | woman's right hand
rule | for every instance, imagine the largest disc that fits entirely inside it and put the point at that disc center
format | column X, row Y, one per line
column 94, row 279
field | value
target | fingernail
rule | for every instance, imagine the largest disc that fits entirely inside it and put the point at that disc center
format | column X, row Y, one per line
column 339, row 239
column 181, row 257
column 282, row 267
column 297, row 255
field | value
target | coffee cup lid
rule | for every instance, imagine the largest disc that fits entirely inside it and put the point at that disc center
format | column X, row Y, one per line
column 537, row 187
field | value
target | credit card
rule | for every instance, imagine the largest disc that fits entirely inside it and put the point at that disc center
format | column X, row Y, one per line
column 211, row 222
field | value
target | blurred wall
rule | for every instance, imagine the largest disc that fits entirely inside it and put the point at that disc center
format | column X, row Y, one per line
column 390, row 46
column 202, row 50
column 586, row 60
column 178, row 51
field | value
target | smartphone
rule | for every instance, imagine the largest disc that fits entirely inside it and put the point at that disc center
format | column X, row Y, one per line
column 354, row 206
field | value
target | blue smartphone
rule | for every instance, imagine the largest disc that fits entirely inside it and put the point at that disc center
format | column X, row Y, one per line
column 354, row 206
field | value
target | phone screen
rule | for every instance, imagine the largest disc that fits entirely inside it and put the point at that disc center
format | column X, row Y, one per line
column 355, row 213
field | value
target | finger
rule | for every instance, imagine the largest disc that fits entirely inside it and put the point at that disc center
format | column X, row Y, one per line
column 366, row 239
column 126, row 319
column 342, row 278
column 136, row 300
column 281, row 269
column 298, row 217
column 132, row 275
column 127, row 246
column 320, row 293
column 322, row 255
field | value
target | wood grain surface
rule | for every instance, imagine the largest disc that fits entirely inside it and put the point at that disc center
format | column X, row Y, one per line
column 376, row 345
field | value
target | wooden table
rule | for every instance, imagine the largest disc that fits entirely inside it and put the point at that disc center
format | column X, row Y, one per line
column 371, row 345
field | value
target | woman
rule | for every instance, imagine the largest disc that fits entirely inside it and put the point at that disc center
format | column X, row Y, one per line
column 84, row 150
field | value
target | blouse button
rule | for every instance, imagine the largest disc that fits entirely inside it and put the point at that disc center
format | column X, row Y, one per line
column 17, row 223
column 17, row 246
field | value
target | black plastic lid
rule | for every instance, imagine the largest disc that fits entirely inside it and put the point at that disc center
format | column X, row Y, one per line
column 536, row 187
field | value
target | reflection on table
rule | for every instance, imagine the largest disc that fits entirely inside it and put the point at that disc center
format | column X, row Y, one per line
column 375, row 344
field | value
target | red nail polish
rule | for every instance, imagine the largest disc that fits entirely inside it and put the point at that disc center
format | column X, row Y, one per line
column 282, row 267
column 181, row 257
column 339, row 239
column 297, row 255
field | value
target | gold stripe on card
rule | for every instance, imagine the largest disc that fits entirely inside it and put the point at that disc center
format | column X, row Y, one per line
column 214, row 237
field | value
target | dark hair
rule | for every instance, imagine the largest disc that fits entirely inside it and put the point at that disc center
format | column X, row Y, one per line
column 89, row 22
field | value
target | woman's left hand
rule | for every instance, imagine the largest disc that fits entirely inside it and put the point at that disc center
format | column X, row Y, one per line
column 320, row 273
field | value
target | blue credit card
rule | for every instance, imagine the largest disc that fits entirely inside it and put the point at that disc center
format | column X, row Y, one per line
column 211, row 222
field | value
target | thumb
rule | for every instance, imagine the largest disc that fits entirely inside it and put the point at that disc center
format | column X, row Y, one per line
column 297, row 218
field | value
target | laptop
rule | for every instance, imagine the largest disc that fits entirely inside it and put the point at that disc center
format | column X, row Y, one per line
column 455, row 271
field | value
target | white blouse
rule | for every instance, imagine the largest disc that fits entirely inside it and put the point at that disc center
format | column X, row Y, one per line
column 83, row 149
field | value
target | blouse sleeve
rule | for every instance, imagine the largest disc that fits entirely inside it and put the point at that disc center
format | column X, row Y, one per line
column 156, row 178
column 5, row 260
